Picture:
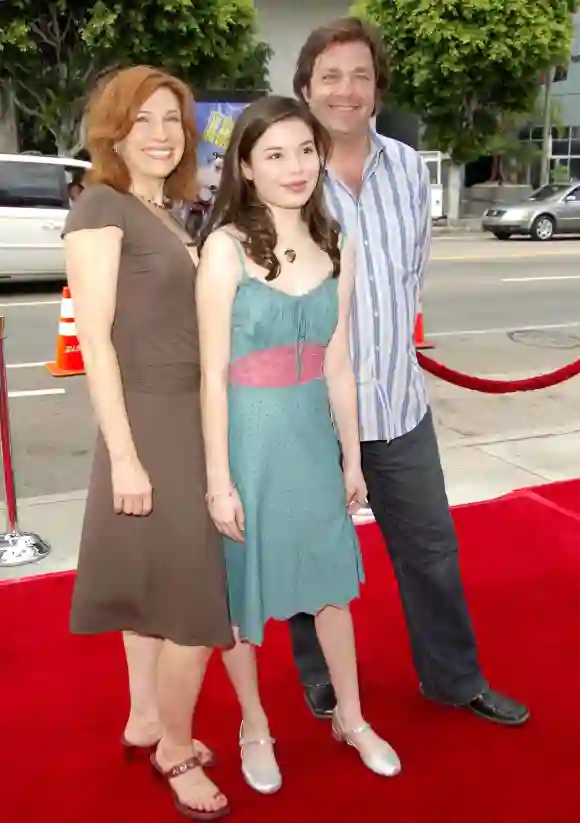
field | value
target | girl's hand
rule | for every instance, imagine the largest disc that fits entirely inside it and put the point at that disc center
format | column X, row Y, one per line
column 226, row 511
column 355, row 489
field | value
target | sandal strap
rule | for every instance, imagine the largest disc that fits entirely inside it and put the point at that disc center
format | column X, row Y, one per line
column 192, row 762
column 359, row 730
column 256, row 741
column 364, row 726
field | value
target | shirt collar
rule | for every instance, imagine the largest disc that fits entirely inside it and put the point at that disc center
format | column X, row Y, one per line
column 377, row 145
column 376, row 150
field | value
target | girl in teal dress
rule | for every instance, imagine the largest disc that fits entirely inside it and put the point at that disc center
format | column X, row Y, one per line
column 274, row 294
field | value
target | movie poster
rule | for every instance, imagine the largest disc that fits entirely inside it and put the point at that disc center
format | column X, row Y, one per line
column 215, row 121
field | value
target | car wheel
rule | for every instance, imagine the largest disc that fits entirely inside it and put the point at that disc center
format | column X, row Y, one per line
column 502, row 235
column 543, row 227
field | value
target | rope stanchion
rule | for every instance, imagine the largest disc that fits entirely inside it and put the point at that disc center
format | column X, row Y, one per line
column 16, row 547
column 488, row 386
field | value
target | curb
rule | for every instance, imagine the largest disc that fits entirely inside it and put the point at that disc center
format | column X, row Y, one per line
column 50, row 499
column 456, row 231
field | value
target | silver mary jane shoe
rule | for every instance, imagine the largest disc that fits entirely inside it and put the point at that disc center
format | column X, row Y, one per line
column 385, row 761
column 263, row 778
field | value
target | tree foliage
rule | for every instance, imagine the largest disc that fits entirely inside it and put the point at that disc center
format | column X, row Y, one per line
column 464, row 65
column 53, row 52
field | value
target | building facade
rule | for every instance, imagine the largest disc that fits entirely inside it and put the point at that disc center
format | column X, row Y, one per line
column 285, row 25
column 567, row 92
column 565, row 148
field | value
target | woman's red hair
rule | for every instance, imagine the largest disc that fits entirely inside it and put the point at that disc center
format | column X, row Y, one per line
column 111, row 113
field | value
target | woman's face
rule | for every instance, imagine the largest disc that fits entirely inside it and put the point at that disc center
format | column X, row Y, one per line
column 284, row 165
column 155, row 144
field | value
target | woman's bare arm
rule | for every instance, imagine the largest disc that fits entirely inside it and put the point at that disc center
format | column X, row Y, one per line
column 92, row 264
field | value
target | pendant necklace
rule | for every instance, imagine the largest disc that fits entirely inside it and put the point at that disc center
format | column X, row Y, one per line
column 290, row 255
column 161, row 206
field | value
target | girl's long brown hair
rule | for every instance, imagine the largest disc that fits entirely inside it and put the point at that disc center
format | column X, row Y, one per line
column 236, row 201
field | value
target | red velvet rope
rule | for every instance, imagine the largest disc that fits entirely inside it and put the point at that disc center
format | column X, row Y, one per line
column 483, row 384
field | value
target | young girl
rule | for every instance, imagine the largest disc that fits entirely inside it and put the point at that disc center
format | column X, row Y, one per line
column 273, row 295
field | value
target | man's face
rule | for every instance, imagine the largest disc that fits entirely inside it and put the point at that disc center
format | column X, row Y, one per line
column 342, row 90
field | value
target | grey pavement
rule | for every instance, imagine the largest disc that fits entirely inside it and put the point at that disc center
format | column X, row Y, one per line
column 445, row 227
column 503, row 310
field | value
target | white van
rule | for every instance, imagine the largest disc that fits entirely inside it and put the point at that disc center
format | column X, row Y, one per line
column 34, row 201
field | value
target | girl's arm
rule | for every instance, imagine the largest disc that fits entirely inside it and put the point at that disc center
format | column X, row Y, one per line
column 218, row 277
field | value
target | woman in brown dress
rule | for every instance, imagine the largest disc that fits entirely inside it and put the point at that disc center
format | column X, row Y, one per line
column 151, row 563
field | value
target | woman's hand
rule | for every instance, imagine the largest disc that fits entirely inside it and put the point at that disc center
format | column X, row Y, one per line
column 355, row 488
column 132, row 492
column 226, row 511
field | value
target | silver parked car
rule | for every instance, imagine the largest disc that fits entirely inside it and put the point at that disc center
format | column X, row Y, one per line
column 552, row 209
column 36, row 192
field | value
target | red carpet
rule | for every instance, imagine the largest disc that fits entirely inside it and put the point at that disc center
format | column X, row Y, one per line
column 563, row 496
column 64, row 701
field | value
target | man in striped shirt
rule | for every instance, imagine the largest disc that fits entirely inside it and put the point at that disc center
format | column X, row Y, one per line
column 379, row 191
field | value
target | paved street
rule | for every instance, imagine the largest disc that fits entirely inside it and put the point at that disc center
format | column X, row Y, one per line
column 482, row 284
column 477, row 290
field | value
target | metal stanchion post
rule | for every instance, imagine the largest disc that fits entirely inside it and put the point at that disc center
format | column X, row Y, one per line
column 16, row 547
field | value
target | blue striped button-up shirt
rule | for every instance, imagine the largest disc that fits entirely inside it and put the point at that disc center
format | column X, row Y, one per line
column 390, row 221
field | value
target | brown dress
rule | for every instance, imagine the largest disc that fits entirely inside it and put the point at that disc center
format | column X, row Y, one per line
column 161, row 575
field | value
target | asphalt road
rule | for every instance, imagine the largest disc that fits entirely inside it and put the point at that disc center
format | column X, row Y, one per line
column 474, row 287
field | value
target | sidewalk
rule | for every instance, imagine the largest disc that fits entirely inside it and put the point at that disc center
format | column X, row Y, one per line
column 490, row 445
column 465, row 226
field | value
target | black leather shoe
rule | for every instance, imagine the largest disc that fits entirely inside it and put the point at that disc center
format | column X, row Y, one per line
column 321, row 700
column 498, row 708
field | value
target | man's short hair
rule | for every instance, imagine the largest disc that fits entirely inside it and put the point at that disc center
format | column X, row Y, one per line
column 344, row 30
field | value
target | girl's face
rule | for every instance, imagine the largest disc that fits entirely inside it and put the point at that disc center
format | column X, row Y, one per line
column 284, row 165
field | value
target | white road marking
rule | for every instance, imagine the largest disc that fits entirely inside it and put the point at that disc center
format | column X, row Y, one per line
column 548, row 278
column 504, row 257
column 29, row 303
column 465, row 332
column 38, row 365
column 35, row 393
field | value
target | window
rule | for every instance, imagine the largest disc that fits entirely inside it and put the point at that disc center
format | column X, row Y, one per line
column 33, row 185
column 548, row 191
column 575, row 141
column 574, row 195
column 432, row 168
column 560, row 148
column 575, row 168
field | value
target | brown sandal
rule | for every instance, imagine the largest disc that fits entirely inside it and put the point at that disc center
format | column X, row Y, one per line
column 189, row 812
column 133, row 752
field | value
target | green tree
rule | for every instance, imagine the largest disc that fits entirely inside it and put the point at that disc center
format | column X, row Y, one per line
column 53, row 52
column 464, row 66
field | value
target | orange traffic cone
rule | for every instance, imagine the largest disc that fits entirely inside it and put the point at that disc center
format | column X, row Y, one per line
column 69, row 360
column 420, row 342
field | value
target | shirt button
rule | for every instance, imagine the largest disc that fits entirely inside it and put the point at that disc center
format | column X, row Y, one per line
column 376, row 314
